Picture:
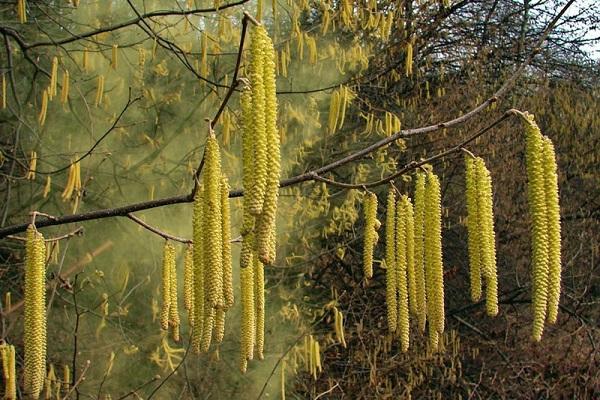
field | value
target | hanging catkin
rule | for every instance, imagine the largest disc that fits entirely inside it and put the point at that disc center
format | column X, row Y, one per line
column 212, row 234
column 488, row 237
column 188, row 278
column 174, row 320
column 64, row 93
column 168, row 260
column 410, row 256
column 419, row 249
column 7, row 352
column 390, row 260
column 553, row 228
column 34, row 335
column 536, row 194
column 403, row 328
column 434, row 269
column 473, row 228
column 258, row 132
column 226, row 233
column 259, row 306
column 248, row 319
column 198, row 256
column 370, row 212
column 266, row 223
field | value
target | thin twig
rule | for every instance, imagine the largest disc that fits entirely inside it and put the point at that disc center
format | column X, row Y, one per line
column 157, row 231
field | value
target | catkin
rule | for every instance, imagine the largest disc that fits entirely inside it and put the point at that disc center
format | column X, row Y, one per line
column 370, row 212
column 7, row 351
column 248, row 319
column 53, row 79
column 174, row 320
column 410, row 256
column 408, row 61
column 259, row 307
column 34, row 335
column 212, row 235
column 43, row 108
column 198, row 256
column 4, row 90
column 553, row 228
column 99, row 90
column 22, row 11
column 258, row 132
column 219, row 332
column 168, row 260
column 266, row 223
column 488, row 237
column 226, row 233
column 401, row 270
column 114, row 56
column 64, row 93
column 419, row 215
column 536, row 194
column 473, row 228
column 433, row 254
column 390, row 261
column 188, row 278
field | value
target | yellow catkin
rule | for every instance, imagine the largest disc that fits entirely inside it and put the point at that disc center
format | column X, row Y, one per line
column 553, row 228
column 7, row 351
column 219, row 332
column 34, row 335
column 226, row 233
column 198, row 256
column 50, row 382
column 248, row 319
column 536, row 195
column 403, row 328
column 22, row 11
column 32, row 166
column 168, row 259
column 434, row 269
column 53, row 79
column 66, row 382
column 390, row 261
column 340, row 320
column 282, row 376
column 64, row 93
column 370, row 212
column 258, row 132
column 266, row 223
column 473, row 228
column 188, row 278
column 408, row 61
column 488, row 237
column 419, row 213
column 410, row 256
column 212, row 239
column 174, row 320
column 334, row 110
column 99, row 90
column 114, row 56
column 43, row 108
column 212, row 233
column 259, row 307
column 248, row 144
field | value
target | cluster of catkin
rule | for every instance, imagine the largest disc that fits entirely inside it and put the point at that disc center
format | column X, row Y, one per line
column 544, row 208
column 34, row 335
column 339, row 102
column 413, row 258
column 208, row 282
column 312, row 356
column 7, row 356
column 261, row 173
column 481, row 236
column 371, row 237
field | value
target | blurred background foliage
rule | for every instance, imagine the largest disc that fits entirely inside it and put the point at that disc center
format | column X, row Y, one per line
column 147, row 128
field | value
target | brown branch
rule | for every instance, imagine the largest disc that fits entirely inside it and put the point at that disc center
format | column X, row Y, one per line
column 76, row 232
column 416, row 164
column 157, row 231
column 308, row 176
